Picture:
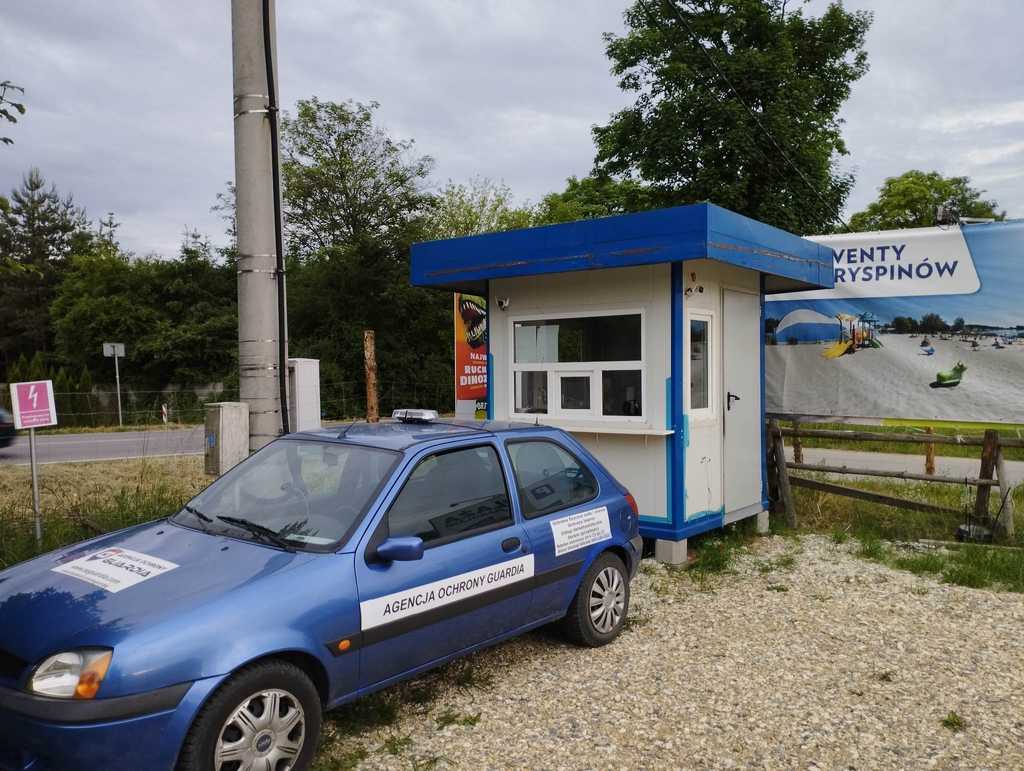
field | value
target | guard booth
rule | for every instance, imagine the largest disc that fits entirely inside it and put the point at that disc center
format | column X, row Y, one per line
column 642, row 335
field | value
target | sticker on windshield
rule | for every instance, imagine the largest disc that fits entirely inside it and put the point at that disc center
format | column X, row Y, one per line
column 115, row 569
column 419, row 599
column 581, row 529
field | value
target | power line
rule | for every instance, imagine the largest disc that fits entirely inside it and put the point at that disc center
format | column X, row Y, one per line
column 834, row 213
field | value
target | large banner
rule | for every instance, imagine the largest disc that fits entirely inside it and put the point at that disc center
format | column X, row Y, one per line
column 923, row 324
column 470, row 355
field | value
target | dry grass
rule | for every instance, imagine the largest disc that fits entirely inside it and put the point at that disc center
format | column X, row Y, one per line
column 66, row 486
column 81, row 500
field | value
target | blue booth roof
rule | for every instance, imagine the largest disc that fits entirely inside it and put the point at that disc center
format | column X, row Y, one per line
column 695, row 232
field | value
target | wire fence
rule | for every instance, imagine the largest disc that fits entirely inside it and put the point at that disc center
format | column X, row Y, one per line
column 339, row 400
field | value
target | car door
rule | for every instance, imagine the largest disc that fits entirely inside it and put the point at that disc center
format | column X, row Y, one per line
column 473, row 582
column 564, row 514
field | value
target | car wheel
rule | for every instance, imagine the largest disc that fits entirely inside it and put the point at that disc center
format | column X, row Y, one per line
column 264, row 718
column 598, row 611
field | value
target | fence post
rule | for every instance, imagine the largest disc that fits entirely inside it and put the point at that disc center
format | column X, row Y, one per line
column 370, row 362
column 1005, row 496
column 785, row 493
column 929, row 455
column 989, row 451
column 798, row 447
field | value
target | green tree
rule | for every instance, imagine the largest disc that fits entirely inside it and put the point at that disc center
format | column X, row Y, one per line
column 177, row 318
column 346, row 182
column 8, row 107
column 911, row 200
column 595, row 196
column 931, row 323
column 958, row 324
column 83, row 402
column 904, row 325
column 355, row 199
column 481, row 206
column 39, row 230
column 736, row 102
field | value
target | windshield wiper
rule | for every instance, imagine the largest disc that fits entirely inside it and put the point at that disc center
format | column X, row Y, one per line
column 260, row 531
column 197, row 513
column 203, row 519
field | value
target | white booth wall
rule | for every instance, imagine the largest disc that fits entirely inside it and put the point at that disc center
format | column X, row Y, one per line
column 632, row 447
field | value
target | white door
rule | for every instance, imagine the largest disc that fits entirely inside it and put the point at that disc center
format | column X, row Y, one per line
column 741, row 399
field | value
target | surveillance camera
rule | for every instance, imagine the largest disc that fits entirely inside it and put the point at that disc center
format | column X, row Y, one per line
column 503, row 303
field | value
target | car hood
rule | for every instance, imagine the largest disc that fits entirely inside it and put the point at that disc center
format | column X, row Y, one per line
column 108, row 586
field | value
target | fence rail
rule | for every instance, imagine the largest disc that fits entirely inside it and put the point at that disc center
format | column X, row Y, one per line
column 991, row 472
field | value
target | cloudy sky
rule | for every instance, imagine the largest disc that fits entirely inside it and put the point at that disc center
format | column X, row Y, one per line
column 130, row 100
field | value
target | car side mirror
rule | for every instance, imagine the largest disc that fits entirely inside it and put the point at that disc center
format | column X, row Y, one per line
column 404, row 548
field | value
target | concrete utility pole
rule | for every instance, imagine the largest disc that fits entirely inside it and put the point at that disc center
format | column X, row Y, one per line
column 258, row 349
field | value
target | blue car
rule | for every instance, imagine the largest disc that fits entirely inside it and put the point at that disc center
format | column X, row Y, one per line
column 326, row 566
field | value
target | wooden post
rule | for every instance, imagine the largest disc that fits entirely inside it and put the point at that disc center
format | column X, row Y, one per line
column 370, row 362
column 798, row 447
column 989, row 451
column 1005, row 495
column 783, row 475
column 929, row 455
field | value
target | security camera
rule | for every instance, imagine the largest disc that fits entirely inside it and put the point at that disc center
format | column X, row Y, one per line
column 503, row 303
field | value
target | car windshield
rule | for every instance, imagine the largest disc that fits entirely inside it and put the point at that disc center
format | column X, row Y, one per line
column 307, row 493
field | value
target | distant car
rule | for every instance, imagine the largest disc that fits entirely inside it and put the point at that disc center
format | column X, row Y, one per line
column 324, row 567
column 7, row 432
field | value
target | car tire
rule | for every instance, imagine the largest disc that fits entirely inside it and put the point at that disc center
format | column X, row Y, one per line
column 216, row 733
column 598, row 611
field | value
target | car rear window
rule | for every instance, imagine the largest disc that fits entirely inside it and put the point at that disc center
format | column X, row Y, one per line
column 549, row 478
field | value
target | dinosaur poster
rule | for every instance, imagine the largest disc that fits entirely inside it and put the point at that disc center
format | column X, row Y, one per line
column 923, row 324
column 470, row 355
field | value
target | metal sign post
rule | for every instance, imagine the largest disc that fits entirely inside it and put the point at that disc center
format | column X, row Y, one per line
column 116, row 350
column 34, row 407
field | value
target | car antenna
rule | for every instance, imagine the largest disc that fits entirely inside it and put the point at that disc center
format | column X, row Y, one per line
column 346, row 428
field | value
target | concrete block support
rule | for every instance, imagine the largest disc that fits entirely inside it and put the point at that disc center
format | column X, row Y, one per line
column 763, row 527
column 671, row 552
column 227, row 436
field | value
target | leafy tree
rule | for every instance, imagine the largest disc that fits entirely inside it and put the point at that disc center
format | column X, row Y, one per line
column 932, row 323
column 911, row 200
column 904, row 325
column 84, row 403
column 595, row 196
column 355, row 199
column 346, row 182
column 737, row 102
column 482, row 206
column 958, row 324
column 8, row 107
column 39, row 230
column 177, row 318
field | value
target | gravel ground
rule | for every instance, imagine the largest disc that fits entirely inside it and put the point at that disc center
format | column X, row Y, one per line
column 802, row 656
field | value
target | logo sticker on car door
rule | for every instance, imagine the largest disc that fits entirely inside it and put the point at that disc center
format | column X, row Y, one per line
column 420, row 599
column 580, row 530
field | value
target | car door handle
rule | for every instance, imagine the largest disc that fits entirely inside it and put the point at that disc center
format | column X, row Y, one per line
column 509, row 545
column 730, row 397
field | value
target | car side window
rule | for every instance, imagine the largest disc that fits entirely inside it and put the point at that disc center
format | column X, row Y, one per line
column 549, row 478
column 450, row 495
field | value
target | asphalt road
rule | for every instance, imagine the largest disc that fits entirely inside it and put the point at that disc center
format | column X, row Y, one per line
column 64, row 448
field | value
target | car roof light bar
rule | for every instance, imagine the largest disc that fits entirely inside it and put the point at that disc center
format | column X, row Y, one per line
column 415, row 416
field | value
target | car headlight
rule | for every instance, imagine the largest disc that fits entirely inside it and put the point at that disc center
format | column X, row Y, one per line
column 71, row 674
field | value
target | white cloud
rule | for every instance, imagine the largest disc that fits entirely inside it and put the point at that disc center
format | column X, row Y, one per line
column 977, row 117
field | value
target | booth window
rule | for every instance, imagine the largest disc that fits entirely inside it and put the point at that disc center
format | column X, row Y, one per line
column 549, row 478
column 452, row 495
column 579, row 366
column 700, row 363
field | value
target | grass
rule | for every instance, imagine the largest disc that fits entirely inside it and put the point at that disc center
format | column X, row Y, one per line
column 954, row 722
column 909, row 427
column 83, row 500
column 451, row 717
column 875, row 526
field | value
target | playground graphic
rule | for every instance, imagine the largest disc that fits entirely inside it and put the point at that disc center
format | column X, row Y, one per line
column 949, row 347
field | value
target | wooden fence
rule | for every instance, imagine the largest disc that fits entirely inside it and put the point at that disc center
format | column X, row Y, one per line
column 991, row 471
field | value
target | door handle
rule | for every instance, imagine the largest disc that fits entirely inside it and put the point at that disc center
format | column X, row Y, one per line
column 730, row 396
column 509, row 545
